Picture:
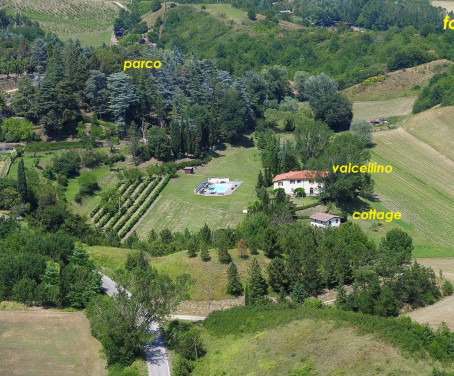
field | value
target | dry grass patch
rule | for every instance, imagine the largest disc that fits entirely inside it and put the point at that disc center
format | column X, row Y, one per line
column 436, row 128
column 48, row 343
column 448, row 5
column 400, row 83
column 379, row 109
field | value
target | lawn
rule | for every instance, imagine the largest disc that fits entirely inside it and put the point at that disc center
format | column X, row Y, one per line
column 386, row 108
column 421, row 187
column 179, row 208
column 305, row 347
column 48, row 343
column 45, row 158
column 210, row 278
column 434, row 128
column 87, row 20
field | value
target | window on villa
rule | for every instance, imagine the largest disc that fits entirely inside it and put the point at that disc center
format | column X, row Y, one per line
column 292, row 181
column 298, row 181
column 311, row 182
column 280, row 184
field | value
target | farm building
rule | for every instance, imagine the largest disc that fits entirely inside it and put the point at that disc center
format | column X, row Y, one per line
column 325, row 220
column 189, row 170
column 305, row 179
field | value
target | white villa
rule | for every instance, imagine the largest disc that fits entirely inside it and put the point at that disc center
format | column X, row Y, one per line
column 300, row 179
column 325, row 220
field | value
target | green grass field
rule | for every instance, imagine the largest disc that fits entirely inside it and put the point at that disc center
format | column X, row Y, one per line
column 179, row 208
column 421, row 187
column 48, row 343
column 436, row 128
column 226, row 9
column 210, row 277
column 89, row 20
column 305, row 347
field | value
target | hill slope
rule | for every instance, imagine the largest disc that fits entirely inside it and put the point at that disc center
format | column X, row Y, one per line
column 421, row 187
column 91, row 21
column 400, row 83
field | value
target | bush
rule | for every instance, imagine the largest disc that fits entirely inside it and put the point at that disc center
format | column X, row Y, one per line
column 67, row 163
column 182, row 366
column 447, row 288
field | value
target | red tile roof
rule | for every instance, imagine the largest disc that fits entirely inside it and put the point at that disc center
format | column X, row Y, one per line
column 304, row 174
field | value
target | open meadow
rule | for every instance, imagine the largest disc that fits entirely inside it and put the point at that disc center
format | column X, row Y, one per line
column 303, row 346
column 385, row 108
column 91, row 21
column 435, row 127
column 179, row 208
column 421, row 187
column 47, row 343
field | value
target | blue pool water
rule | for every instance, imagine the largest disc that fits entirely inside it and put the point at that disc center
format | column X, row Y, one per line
column 219, row 188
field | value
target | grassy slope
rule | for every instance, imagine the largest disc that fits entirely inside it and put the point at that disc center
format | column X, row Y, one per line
column 386, row 108
column 48, row 343
column 397, row 84
column 180, row 208
column 305, row 347
column 433, row 127
column 421, row 186
column 210, row 277
column 91, row 21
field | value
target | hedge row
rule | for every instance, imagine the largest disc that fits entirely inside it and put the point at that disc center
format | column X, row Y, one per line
column 128, row 203
column 137, row 205
column 109, row 215
column 142, row 211
column 99, row 206
column 315, row 203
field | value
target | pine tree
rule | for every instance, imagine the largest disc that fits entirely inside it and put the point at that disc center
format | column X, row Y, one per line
column 257, row 284
column 247, row 295
column 224, row 256
column 234, row 286
column 204, row 254
column 242, row 248
column 193, row 247
column 271, row 246
column 22, row 181
column 281, row 297
column 341, row 297
column 205, row 233
column 299, row 292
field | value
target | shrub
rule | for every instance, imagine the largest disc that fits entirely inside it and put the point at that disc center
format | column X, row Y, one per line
column 447, row 288
column 67, row 163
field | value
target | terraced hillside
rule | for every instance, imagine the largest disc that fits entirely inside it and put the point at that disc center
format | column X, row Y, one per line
column 91, row 21
column 421, row 187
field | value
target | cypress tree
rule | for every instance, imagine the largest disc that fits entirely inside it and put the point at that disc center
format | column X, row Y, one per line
column 260, row 181
column 257, row 284
column 22, row 181
column 224, row 256
column 234, row 286
column 193, row 247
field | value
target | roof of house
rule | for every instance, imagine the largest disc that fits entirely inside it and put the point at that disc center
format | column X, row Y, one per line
column 304, row 174
column 324, row 217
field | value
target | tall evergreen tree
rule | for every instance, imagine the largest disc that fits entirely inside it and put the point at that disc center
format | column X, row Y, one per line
column 22, row 181
column 234, row 286
column 256, row 282
column 204, row 254
column 271, row 246
column 122, row 96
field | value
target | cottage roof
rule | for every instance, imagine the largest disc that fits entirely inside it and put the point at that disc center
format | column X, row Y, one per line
column 324, row 217
column 304, row 174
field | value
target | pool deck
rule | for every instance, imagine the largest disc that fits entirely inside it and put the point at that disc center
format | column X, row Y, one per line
column 234, row 185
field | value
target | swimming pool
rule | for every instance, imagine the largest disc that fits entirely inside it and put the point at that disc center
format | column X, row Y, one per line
column 219, row 188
